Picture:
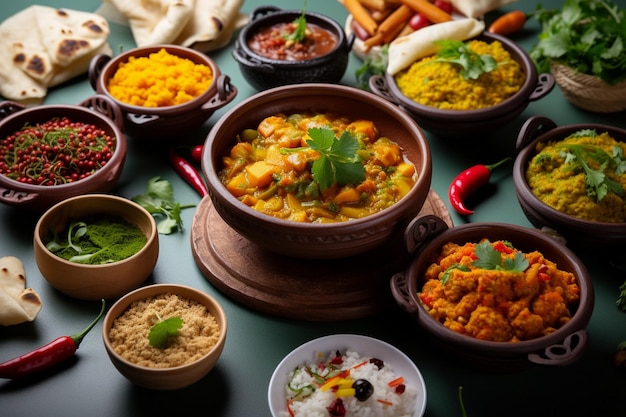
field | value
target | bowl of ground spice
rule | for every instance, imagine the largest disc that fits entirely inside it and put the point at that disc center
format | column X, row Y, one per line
column 467, row 89
column 165, row 336
column 572, row 180
column 53, row 152
column 163, row 90
column 96, row 246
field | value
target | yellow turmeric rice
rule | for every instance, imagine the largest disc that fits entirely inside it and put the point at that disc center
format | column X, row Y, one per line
column 441, row 85
column 562, row 185
column 159, row 80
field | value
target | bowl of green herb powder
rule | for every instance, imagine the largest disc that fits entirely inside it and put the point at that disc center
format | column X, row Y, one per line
column 96, row 246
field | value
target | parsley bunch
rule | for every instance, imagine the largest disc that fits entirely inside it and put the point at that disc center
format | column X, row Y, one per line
column 587, row 35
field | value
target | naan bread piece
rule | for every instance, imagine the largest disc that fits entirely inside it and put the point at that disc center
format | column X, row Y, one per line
column 405, row 50
column 41, row 47
column 477, row 8
column 18, row 304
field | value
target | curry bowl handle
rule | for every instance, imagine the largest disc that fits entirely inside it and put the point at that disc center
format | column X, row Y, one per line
column 15, row 198
column 421, row 230
column 545, row 84
column 400, row 292
column 534, row 127
column 226, row 92
column 562, row 354
column 378, row 85
column 96, row 65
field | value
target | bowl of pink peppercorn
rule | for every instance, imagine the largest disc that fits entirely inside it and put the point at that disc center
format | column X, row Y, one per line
column 50, row 153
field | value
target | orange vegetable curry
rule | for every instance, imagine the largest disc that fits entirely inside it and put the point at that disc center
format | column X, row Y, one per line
column 270, row 170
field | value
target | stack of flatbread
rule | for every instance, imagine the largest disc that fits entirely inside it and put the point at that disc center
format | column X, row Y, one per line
column 41, row 47
column 18, row 304
column 477, row 8
column 204, row 25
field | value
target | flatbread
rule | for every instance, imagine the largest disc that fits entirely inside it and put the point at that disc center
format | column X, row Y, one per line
column 41, row 47
column 200, row 24
column 18, row 304
column 477, row 8
column 405, row 50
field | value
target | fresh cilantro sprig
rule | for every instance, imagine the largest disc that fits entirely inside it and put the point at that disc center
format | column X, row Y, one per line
column 159, row 201
column 490, row 258
column 339, row 163
column 299, row 32
column 163, row 331
column 374, row 65
column 457, row 52
column 597, row 183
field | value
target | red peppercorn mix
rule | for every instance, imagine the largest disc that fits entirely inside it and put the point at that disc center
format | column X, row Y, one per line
column 56, row 152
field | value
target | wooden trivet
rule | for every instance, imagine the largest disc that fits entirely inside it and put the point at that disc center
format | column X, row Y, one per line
column 302, row 289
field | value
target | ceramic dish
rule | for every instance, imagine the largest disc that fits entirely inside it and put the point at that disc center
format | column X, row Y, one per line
column 365, row 346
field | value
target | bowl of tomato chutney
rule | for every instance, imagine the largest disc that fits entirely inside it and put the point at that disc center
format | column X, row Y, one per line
column 279, row 47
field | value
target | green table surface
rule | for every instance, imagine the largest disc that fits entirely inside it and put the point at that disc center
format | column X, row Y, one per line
column 237, row 387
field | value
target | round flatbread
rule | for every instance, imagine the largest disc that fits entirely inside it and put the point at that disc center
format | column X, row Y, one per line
column 18, row 304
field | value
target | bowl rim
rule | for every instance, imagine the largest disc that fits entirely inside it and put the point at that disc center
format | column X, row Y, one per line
column 123, row 202
column 119, row 156
column 152, row 290
column 288, row 15
column 216, row 188
column 507, row 106
column 556, row 217
column 355, row 342
column 541, row 241
column 110, row 68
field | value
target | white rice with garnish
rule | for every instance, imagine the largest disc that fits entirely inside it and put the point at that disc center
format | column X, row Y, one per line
column 314, row 401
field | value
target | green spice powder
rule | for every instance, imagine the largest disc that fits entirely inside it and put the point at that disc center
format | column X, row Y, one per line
column 99, row 241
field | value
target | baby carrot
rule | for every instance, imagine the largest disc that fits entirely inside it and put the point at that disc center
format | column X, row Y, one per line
column 508, row 23
column 429, row 10
column 360, row 14
column 391, row 26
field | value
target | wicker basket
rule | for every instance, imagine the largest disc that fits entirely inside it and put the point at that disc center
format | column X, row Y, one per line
column 589, row 92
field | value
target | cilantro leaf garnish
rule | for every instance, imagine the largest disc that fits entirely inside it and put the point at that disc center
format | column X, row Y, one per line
column 163, row 331
column 490, row 258
column 448, row 272
column 300, row 28
column 375, row 65
column 159, row 201
column 458, row 52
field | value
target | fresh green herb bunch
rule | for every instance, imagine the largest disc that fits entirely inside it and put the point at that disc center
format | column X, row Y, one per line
column 587, row 35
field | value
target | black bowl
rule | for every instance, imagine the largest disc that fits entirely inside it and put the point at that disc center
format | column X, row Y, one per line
column 263, row 73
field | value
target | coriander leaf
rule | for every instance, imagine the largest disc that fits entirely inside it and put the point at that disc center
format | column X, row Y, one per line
column 163, row 331
column 518, row 263
column 375, row 65
column 159, row 201
column 299, row 33
column 457, row 52
column 488, row 257
column 448, row 272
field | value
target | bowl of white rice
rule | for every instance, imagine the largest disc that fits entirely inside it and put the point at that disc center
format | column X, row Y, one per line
column 347, row 375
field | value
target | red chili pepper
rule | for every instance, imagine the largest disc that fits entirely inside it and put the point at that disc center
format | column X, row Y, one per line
column 46, row 356
column 188, row 172
column 509, row 23
column 196, row 153
column 467, row 182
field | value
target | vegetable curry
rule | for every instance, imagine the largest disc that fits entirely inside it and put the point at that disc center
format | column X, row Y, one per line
column 317, row 168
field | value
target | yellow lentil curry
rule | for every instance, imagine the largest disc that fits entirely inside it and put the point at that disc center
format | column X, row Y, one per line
column 560, row 181
column 441, row 84
column 197, row 336
column 498, row 304
column 270, row 170
column 159, row 80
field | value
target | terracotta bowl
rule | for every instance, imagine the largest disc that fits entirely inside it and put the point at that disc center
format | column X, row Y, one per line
column 94, row 282
column 564, row 346
column 365, row 347
column 99, row 111
column 584, row 233
column 174, row 377
column 315, row 240
column 169, row 122
column 480, row 122
column 263, row 73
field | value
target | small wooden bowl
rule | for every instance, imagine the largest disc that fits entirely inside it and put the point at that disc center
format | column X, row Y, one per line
column 94, row 282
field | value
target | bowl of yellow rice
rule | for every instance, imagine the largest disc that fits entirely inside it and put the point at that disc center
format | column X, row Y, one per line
column 162, row 90
column 445, row 102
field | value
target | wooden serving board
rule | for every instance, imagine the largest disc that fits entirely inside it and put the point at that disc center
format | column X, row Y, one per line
column 303, row 289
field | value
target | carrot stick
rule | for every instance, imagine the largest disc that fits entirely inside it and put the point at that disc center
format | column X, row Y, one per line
column 379, row 5
column 508, row 23
column 390, row 27
column 429, row 10
column 360, row 14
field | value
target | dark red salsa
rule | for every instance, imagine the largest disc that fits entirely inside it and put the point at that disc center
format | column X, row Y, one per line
column 271, row 42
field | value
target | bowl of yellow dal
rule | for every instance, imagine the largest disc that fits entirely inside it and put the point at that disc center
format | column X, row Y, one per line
column 447, row 104
column 586, row 206
column 162, row 90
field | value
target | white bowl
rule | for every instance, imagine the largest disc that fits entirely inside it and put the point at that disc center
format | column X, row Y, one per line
column 364, row 346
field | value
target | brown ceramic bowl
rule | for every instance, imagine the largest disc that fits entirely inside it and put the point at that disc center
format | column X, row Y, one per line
column 314, row 240
column 564, row 346
column 165, row 378
column 94, row 282
column 99, row 111
column 263, row 73
column 480, row 122
column 579, row 232
column 164, row 123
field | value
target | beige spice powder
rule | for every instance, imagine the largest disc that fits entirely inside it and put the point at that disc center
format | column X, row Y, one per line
column 198, row 334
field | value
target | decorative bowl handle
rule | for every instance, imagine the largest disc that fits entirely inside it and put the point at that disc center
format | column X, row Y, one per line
column 378, row 85
column 96, row 65
column 226, row 92
column 400, row 292
column 564, row 353
column 262, row 11
column 13, row 197
column 421, row 230
column 245, row 59
column 104, row 105
column 7, row 108
column 545, row 84
column 534, row 127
